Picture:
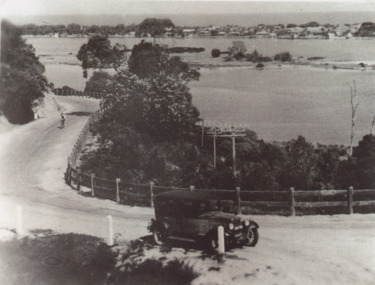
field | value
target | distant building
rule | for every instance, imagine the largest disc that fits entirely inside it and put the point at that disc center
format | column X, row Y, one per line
column 331, row 36
column 188, row 32
column 262, row 34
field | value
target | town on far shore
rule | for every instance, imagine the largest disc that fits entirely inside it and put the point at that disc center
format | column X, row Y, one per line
column 166, row 28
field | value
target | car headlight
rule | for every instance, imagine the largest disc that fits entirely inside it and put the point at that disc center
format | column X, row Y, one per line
column 247, row 223
column 231, row 226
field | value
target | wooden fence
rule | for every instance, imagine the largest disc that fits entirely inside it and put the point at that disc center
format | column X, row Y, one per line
column 72, row 159
column 249, row 202
column 73, row 92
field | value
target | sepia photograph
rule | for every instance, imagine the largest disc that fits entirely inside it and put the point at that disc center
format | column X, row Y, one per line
column 172, row 142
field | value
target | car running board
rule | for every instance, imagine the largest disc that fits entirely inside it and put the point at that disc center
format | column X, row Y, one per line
column 181, row 239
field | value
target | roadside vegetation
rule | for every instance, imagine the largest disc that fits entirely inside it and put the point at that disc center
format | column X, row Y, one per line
column 45, row 257
column 22, row 76
column 148, row 131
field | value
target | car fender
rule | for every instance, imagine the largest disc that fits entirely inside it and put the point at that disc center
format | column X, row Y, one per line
column 252, row 223
column 161, row 224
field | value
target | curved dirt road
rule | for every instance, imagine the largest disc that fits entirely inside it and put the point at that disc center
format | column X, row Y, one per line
column 33, row 159
column 292, row 250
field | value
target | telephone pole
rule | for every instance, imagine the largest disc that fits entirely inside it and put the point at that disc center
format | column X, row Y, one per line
column 228, row 132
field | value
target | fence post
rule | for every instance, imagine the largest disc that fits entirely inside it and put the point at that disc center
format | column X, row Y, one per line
column 151, row 194
column 118, row 180
column 350, row 200
column 291, row 201
column 238, row 200
column 110, row 230
column 192, row 188
column 78, row 178
column 221, row 240
column 92, row 184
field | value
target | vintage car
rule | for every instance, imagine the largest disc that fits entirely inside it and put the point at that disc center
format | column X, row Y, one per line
column 196, row 216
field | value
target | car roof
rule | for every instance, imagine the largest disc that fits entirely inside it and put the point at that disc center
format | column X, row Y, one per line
column 186, row 196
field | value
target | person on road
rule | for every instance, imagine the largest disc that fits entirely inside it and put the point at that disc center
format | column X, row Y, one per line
column 62, row 120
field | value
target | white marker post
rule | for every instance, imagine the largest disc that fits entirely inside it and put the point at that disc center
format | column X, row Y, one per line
column 221, row 242
column 110, row 230
column 19, row 228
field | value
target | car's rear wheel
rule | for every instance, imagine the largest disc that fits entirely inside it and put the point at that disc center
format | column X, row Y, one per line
column 159, row 235
column 252, row 236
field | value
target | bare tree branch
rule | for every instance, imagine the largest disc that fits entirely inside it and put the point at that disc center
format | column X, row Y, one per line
column 354, row 101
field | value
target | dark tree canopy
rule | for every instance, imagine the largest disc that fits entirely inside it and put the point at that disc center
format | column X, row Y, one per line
column 22, row 79
column 98, row 82
column 149, row 60
column 153, row 26
column 98, row 53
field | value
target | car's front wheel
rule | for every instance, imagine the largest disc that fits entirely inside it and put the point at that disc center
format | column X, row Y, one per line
column 159, row 235
column 211, row 243
column 252, row 236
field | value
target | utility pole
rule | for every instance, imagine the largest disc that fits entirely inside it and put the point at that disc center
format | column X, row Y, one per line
column 229, row 132
column 202, row 132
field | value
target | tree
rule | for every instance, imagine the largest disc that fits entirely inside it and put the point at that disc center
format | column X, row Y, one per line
column 147, row 127
column 22, row 80
column 359, row 170
column 159, row 106
column 146, row 59
column 364, row 155
column 154, row 27
column 150, row 60
column 238, row 48
column 289, row 26
column 215, row 52
column 98, row 82
column 283, row 56
column 300, row 170
column 373, row 125
column 99, row 53
column 354, row 105
column 73, row 29
column 254, row 56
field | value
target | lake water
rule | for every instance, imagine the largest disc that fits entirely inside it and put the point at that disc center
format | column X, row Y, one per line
column 333, row 50
column 279, row 103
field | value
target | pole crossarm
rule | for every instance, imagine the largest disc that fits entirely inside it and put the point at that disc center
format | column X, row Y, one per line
column 226, row 132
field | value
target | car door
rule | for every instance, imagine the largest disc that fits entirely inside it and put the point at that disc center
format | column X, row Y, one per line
column 173, row 217
column 192, row 224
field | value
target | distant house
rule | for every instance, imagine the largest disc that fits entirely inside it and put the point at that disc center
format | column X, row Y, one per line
column 262, row 34
column 204, row 32
column 331, row 36
column 349, row 35
column 235, row 33
column 273, row 35
column 188, row 32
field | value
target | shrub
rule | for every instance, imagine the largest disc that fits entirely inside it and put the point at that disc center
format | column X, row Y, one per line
column 283, row 56
column 215, row 52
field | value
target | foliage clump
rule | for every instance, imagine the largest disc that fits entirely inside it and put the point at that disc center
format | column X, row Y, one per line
column 22, row 76
column 283, row 56
column 215, row 52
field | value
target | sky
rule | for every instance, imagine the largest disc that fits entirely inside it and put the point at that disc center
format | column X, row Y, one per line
column 132, row 7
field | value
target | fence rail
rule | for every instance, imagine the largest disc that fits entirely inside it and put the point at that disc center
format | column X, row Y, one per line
column 255, row 202
column 73, row 92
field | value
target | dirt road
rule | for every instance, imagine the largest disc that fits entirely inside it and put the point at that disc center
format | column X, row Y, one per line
column 33, row 159
column 292, row 250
